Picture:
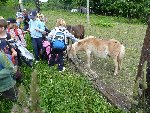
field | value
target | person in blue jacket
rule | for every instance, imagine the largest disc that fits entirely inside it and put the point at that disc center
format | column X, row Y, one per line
column 36, row 29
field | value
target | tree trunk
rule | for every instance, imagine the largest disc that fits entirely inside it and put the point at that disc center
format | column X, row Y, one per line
column 148, row 81
column 37, row 3
column 20, row 5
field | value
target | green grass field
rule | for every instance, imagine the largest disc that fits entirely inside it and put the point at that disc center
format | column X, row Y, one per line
column 129, row 32
column 71, row 92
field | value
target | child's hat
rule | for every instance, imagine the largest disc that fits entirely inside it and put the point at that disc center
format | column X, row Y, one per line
column 11, row 20
column 32, row 14
column 19, row 15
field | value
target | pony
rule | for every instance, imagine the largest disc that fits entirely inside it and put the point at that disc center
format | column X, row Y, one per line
column 100, row 48
column 77, row 30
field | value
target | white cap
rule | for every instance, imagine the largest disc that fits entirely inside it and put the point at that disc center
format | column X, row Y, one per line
column 19, row 15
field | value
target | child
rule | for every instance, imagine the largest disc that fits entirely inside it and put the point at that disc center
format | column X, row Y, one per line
column 41, row 17
column 36, row 28
column 3, row 39
column 60, row 27
column 15, row 32
column 19, row 19
column 6, row 47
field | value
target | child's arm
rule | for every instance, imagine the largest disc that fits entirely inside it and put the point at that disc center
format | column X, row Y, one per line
column 51, row 35
column 14, row 53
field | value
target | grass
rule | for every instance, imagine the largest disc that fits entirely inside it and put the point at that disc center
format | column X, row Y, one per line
column 71, row 92
column 130, row 34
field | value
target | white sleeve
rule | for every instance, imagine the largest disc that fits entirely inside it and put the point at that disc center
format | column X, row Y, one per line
column 51, row 35
column 71, row 36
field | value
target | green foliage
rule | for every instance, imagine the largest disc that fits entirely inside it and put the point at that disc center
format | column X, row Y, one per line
column 9, row 12
column 126, row 8
column 22, row 98
column 28, row 104
column 1, row 3
column 5, row 106
column 71, row 94
column 9, row 7
column 22, row 101
column 11, row 3
column 62, row 4
column 34, row 94
column 3, row 0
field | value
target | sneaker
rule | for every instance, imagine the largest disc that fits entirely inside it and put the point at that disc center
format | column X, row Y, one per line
column 63, row 69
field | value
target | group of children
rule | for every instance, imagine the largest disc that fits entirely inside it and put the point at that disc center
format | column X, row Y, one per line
column 7, row 68
column 34, row 23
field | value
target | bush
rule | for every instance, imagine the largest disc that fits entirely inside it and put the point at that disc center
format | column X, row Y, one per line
column 125, row 8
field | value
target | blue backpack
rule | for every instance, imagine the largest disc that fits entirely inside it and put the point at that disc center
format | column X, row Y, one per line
column 59, row 40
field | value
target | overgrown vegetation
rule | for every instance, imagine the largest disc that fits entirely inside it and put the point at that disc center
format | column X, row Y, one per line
column 126, row 8
column 28, row 103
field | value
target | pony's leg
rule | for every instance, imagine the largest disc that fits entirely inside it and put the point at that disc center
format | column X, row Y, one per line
column 119, row 63
column 72, row 54
column 88, row 58
column 116, row 65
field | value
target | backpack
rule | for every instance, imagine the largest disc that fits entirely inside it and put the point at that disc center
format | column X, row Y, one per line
column 58, row 41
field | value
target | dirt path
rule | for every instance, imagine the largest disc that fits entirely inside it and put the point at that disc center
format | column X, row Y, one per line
column 108, row 85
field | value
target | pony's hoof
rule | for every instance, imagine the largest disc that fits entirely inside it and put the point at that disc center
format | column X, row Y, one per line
column 115, row 74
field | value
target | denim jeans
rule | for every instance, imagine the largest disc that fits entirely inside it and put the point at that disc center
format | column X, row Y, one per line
column 37, row 47
column 57, row 56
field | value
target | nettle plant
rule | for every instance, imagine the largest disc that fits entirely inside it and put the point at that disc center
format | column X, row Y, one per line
column 31, row 103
